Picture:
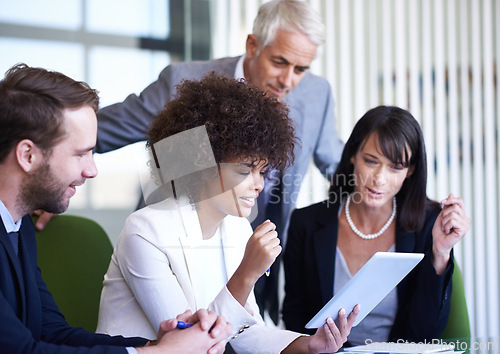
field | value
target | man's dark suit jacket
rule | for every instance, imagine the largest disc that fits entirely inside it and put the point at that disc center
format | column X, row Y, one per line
column 30, row 321
column 309, row 261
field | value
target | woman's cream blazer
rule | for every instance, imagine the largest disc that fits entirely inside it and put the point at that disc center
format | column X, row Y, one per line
column 154, row 275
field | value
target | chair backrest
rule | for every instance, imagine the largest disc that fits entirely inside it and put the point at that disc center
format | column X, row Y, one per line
column 74, row 254
column 458, row 326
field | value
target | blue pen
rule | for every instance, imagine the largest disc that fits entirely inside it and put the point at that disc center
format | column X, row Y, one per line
column 183, row 325
column 269, row 270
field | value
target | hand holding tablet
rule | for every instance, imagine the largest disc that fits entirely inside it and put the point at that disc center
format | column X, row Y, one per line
column 368, row 286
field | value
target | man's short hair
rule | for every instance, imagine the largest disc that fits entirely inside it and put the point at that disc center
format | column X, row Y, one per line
column 32, row 101
column 291, row 16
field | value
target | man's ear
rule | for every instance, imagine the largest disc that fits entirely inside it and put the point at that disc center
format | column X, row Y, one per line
column 28, row 155
column 252, row 46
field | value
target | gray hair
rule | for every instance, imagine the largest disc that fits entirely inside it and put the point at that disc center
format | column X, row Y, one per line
column 288, row 15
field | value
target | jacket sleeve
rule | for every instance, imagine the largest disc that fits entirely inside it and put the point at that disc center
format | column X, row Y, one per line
column 128, row 122
column 43, row 328
column 249, row 330
column 56, row 330
column 57, row 335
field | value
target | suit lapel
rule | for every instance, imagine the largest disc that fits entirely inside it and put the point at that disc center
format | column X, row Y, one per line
column 325, row 248
column 405, row 241
column 25, row 280
column 32, row 314
column 190, row 243
column 232, row 256
column 325, row 244
column 13, row 259
column 16, row 266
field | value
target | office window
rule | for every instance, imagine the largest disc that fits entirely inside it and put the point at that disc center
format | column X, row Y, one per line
column 136, row 17
column 66, row 57
column 60, row 14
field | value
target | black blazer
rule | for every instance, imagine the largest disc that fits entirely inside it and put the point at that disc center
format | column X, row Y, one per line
column 30, row 321
column 309, row 262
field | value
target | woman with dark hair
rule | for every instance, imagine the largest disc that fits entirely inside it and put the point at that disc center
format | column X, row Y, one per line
column 211, row 147
column 377, row 202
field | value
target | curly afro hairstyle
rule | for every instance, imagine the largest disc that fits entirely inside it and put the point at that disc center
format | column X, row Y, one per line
column 240, row 120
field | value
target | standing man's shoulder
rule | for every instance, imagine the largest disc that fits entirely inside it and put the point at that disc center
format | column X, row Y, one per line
column 311, row 89
column 314, row 84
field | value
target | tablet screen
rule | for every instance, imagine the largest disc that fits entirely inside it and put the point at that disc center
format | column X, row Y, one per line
column 368, row 286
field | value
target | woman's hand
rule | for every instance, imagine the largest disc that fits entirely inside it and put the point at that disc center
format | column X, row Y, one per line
column 208, row 334
column 451, row 225
column 327, row 339
column 260, row 252
column 43, row 219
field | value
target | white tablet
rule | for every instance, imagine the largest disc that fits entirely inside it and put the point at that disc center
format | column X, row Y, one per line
column 368, row 286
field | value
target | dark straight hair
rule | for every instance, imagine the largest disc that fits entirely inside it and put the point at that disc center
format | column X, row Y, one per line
column 399, row 135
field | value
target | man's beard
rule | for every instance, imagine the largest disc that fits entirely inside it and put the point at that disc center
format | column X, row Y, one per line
column 43, row 190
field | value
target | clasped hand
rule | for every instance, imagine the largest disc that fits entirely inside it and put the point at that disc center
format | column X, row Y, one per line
column 208, row 334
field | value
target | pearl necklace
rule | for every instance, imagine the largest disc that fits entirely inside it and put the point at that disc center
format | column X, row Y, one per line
column 370, row 236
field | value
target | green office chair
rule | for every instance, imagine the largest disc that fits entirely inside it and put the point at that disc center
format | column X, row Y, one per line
column 458, row 326
column 74, row 254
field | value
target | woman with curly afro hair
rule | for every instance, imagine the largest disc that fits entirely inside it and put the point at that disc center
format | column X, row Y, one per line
column 211, row 147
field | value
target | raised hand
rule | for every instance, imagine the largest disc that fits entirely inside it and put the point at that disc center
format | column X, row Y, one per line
column 451, row 225
column 260, row 252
